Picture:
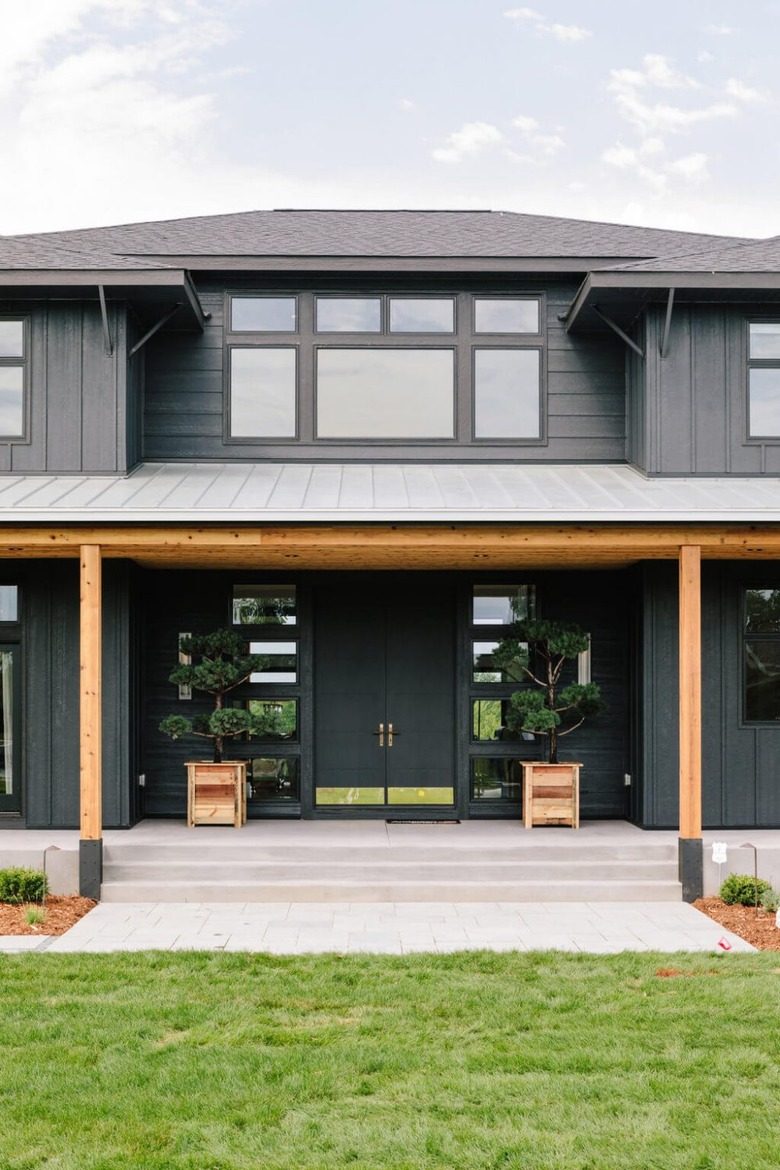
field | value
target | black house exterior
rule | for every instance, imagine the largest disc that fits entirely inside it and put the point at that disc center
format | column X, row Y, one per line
column 355, row 437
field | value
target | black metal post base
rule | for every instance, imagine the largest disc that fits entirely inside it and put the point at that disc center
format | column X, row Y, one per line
column 691, row 867
column 90, row 868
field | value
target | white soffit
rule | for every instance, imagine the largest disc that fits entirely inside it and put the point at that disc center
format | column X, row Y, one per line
column 382, row 492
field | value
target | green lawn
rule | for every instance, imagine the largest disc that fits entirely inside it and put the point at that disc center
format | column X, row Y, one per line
column 472, row 1060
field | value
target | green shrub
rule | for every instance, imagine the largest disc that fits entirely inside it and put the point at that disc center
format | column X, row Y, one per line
column 771, row 901
column 23, row 885
column 743, row 889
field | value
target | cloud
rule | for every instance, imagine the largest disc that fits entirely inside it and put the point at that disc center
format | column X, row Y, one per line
column 745, row 93
column 472, row 138
column 692, row 167
column 561, row 32
column 542, row 146
column 404, row 104
column 719, row 30
column 630, row 86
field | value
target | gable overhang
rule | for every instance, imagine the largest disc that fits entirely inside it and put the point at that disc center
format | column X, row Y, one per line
column 214, row 265
column 150, row 292
column 621, row 296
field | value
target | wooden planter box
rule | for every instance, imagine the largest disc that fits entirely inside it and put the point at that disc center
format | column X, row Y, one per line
column 216, row 793
column 551, row 794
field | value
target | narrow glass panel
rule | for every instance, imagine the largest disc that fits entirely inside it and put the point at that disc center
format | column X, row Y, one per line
column 9, row 603
column 418, row 315
column 350, row 796
column 499, row 605
column 264, row 605
column 263, row 314
column 506, row 315
column 765, row 339
column 487, row 670
column 762, row 611
column 278, row 717
column 349, row 315
column 281, row 665
column 420, row 796
column 273, row 778
column 762, row 680
column 765, row 402
column 489, row 718
column 496, row 779
column 6, row 722
column 385, row 394
column 507, row 402
column 262, row 393
column 11, row 400
column 11, row 339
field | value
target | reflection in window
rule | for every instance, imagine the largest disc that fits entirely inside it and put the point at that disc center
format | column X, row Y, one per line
column 765, row 339
column 422, row 315
column 385, row 394
column 263, row 314
column 262, row 393
column 500, row 605
column 507, row 403
column 764, row 406
column 762, row 655
column 6, row 721
column 9, row 603
column 11, row 339
column 489, row 721
column 506, row 315
column 273, row 778
column 281, row 665
column 348, row 314
column 264, row 605
column 277, row 718
column 485, row 669
column 496, row 779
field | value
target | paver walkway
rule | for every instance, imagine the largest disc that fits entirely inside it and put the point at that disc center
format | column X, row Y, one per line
column 395, row 928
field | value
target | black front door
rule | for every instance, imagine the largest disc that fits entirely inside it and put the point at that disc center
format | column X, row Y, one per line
column 384, row 696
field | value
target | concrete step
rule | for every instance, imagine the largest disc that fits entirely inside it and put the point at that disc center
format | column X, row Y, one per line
column 162, row 890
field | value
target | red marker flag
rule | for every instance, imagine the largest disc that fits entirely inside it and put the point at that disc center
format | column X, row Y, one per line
column 724, row 944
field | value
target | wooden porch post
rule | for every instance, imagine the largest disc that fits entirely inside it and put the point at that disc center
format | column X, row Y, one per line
column 91, row 722
column 690, row 845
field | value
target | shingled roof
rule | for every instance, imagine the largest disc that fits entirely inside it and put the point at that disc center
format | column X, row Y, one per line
column 485, row 234
column 734, row 256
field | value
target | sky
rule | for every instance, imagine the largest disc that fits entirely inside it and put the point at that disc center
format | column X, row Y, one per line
column 664, row 114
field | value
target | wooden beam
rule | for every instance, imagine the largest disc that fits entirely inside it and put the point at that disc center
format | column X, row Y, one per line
column 90, row 710
column 690, row 692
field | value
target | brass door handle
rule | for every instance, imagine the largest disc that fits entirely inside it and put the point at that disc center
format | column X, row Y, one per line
column 390, row 734
column 381, row 734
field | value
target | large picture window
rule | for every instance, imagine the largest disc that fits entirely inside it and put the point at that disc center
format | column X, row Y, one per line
column 13, row 367
column 761, row 646
column 764, row 379
column 325, row 368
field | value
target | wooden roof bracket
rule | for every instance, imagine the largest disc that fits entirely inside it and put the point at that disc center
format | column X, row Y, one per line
column 616, row 329
column 667, row 324
column 108, row 344
column 151, row 332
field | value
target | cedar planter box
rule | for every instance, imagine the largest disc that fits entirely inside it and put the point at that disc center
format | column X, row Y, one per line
column 551, row 794
column 216, row 793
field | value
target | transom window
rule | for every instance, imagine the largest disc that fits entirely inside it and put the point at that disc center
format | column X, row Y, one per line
column 764, row 379
column 13, row 363
column 331, row 368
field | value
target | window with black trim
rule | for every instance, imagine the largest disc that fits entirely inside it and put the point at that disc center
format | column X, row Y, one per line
column 332, row 367
column 13, row 376
column 763, row 379
column 761, row 655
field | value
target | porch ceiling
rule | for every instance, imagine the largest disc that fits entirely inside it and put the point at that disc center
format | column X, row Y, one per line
column 397, row 546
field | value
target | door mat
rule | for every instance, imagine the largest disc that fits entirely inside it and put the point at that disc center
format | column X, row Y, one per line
column 400, row 821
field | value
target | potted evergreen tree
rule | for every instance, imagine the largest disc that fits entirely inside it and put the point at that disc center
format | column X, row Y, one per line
column 216, row 789
column 537, row 651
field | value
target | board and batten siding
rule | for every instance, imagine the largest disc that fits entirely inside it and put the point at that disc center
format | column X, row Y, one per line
column 183, row 413
column 77, row 393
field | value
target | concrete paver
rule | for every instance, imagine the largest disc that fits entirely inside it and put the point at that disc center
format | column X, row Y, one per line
column 387, row 928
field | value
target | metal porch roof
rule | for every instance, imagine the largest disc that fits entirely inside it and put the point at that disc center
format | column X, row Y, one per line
column 305, row 493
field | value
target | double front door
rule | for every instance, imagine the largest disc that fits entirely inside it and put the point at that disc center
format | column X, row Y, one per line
column 384, row 696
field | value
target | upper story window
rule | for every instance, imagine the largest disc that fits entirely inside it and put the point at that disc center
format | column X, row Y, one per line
column 764, row 379
column 384, row 367
column 13, row 367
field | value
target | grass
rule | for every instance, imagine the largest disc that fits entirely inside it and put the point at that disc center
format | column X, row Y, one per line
column 34, row 915
column 499, row 1061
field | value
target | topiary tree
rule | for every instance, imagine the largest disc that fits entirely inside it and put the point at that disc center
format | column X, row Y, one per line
column 219, row 666
column 538, row 650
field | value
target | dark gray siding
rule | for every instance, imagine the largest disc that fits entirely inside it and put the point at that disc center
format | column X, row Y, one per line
column 183, row 417
column 78, row 394
column 693, row 400
column 50, row 735
column 741, row 764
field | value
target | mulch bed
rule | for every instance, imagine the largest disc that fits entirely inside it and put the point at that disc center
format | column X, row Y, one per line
column 756, row 927
column 61, row 913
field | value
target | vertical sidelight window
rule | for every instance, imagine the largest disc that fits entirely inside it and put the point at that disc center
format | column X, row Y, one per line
column 761, row 653
column 764, row 379
column 13, row 376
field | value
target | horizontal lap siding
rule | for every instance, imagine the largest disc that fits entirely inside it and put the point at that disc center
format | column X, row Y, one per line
column 585, row 399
